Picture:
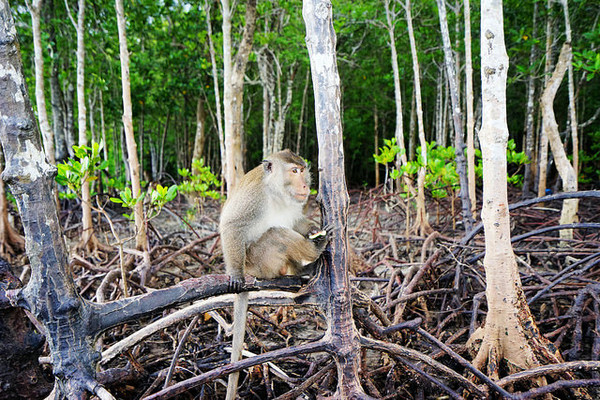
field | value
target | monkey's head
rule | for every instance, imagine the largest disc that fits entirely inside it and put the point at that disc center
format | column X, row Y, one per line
column 287, row 173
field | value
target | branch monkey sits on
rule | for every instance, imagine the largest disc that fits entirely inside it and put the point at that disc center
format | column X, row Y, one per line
column 265, row 233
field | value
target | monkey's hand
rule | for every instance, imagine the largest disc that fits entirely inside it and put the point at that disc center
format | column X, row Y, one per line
column 320, row 237
column 236, row 283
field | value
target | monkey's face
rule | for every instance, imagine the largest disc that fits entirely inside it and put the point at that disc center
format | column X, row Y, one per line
column 298, row 180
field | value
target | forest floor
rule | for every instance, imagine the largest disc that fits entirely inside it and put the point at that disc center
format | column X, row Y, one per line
column 564, row 294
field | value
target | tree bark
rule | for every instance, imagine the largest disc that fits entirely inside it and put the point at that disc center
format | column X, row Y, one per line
column 571, row 89
column 401, row 159
column 472, row 178
column 550, row 128
column 421, row 219
column 233, row 82
column 543, row 152
column 341, row 331
column 461, row 167
column 35, row 7
column 216, row 85
column 200, row 139
column 141, row 241
column 529, row 172
column 510, row 332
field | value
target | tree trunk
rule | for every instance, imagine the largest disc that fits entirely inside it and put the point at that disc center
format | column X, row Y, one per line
column 70, row 118
column 543, row 153
column 461, row 167
column 510, row 332
column 472, row 178
column 233, row 82
column 550, row 129
column 529, row 173
column 216, row 85
column 421, row 219
column 376, row 143
column 141, row 241
column 88, row 239
column 401, row 159
column 571, row 88
column 200, row 132
column 342, row 332
column 34, row 7
column 302, row 107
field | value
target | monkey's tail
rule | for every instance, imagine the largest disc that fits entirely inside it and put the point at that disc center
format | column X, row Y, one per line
column 240, row 314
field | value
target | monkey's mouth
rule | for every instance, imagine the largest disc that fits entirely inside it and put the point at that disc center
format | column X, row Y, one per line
column 301, row 196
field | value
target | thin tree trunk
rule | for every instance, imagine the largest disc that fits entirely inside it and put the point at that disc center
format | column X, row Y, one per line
column 412, row 129
column 10, row 241
column 510, row 332
column 341, row 332
column 70, row 118
column 141, row 241
column 233, row 81
column 550, row 127
column 472, row 178
column 376, row 143
column 461, row 167
column 88, row 239
column 571, row 88
column 529, row 173
column 421, row 219
column 200, row 138
column 543, row 153
column 34, row 7
column 216, row 86
column 302, row 107
column 401, row 159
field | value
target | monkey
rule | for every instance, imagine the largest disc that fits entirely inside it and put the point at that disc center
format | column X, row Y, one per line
column 265, row 233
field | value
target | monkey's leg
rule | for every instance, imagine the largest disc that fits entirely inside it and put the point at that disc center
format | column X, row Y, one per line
column 240, row 314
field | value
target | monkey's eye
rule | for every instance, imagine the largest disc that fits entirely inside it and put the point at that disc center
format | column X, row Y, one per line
column 296, row 170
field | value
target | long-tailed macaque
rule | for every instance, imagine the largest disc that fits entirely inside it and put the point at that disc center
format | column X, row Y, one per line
column 265, row 233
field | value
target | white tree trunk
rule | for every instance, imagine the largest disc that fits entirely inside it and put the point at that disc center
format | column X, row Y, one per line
column 472, row 179
column 543, row 153
column 399, row 130
column 422, row 219
column 571, row 87
column 200, row 138
column 40, row 98
column 141, row 241
column 530, row 169
column 216, row 85
column 509, row 328
column 550, row 129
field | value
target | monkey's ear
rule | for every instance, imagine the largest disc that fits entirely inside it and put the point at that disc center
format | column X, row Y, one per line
column 267, row 165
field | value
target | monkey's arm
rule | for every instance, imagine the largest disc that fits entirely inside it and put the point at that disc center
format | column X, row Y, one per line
column 305, row 227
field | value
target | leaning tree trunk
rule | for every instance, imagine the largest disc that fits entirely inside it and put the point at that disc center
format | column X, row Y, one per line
column 550, row 128
column 461, row 167
column 233, row 93
column 510, row 333
column 320, row 41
